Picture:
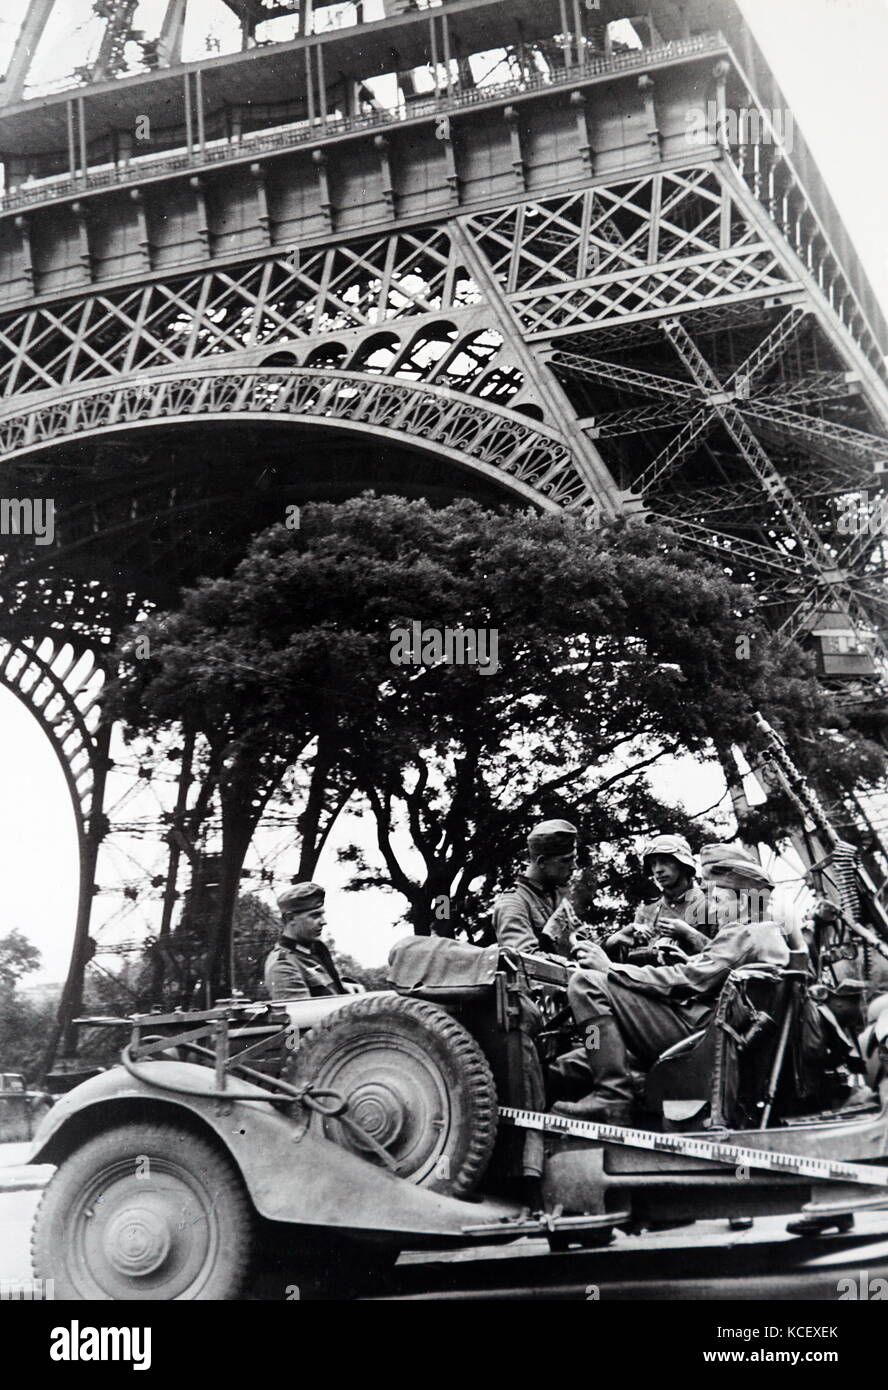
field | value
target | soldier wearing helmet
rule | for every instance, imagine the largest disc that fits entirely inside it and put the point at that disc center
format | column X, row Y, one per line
column 679, row 915
column 300, row 966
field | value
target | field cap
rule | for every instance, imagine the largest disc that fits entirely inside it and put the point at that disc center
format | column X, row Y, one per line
column 729, row 866
column 552, row 837
column 301, row 897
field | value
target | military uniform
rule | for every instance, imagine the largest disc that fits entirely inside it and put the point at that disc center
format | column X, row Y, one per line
column 690, row 906
column 648, row 1008
column 520, row 915
column 294, row 970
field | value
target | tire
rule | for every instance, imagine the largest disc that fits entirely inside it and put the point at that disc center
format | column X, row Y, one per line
column 111, row 1226
column 416, row 1081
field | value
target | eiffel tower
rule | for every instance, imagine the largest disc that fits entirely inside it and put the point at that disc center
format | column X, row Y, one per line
column 546, row 250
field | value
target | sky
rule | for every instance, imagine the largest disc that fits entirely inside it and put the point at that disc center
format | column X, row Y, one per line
column 830, row 57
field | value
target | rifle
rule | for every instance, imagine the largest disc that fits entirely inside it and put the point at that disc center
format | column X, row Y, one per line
column 851, row 878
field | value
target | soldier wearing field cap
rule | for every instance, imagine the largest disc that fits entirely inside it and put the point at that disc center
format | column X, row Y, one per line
column 526, row 916
column 648, row 1008
column 300, row 966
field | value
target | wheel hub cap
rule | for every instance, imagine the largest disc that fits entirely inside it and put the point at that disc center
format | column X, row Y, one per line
column 379, row 1110
column 136, row 1241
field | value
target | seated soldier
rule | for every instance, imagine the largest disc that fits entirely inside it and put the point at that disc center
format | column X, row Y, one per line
column 680, row 911
column 300, row 966
column 526, row 916
column 648, row 1008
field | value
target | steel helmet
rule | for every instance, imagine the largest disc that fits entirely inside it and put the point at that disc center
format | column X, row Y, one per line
column 676, row 846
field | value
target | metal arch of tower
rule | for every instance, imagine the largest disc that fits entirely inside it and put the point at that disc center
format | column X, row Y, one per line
column 500, row 444
column 562, row 212
column 47, row 675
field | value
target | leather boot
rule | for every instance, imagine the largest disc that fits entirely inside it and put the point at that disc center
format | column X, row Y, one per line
column 568, row 1077
column 611, row 1098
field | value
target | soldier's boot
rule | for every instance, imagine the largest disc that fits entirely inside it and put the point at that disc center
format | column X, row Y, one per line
column 568, row 1077
column 611, row 1098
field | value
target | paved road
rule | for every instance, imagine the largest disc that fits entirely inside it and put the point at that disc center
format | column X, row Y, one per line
column 707, row 1261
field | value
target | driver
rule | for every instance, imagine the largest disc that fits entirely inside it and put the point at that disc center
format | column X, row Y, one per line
column 648, row 1008
column 679, row 913
column 300, row 966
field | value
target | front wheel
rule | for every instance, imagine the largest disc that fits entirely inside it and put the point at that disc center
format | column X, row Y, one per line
column 144, row 1211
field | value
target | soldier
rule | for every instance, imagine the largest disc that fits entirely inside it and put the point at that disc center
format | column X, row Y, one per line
column 526, row 916
column 648, row 1008
column 680, row 911
column 300, row 966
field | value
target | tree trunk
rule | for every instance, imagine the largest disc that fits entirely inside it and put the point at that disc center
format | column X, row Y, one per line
column 310, row 820
column 242, row 804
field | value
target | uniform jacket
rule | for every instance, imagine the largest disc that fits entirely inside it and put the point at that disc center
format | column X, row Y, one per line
column 297, row 971
column 703, row 975
column 690, row 906
column 521, row 913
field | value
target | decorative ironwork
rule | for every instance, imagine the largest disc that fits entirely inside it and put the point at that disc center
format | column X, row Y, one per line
column 532, row 461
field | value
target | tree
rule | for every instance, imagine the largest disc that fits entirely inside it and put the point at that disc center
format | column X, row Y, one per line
column 24, row 1022
column 18, row 957
column 613, row 649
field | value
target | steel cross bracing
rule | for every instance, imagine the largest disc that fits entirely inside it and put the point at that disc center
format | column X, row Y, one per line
column 736, row 403
column 815, row 553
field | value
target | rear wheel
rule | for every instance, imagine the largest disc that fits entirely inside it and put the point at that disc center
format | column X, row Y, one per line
column 144, row 1211
column 415, row 1080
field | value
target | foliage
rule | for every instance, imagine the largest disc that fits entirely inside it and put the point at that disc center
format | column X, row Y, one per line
column 24, row 1019
column 615, row 649
column 18, row 957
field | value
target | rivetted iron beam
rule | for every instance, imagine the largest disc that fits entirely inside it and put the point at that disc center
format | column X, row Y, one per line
column 823, row 433
column 29, row 37
column 629, row 378
column 171, row 33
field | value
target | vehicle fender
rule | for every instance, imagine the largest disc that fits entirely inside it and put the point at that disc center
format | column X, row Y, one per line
column 291, row 1174
column 307, row 1013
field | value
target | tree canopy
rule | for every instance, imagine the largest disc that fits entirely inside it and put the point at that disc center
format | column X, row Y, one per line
column 613, row 649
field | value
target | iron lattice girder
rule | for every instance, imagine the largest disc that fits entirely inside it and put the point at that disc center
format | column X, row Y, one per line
column 686, row 241
column 707, row 384
column 824, row 435
column 766, row 170
column 740, row 548
column 817, row 558
column 617, row 374
column 744, row 495
column 373, row 283
column 61, row 684
column 854, row 444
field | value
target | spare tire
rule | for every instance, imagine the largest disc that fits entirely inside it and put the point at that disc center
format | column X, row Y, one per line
column 414, row 1079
